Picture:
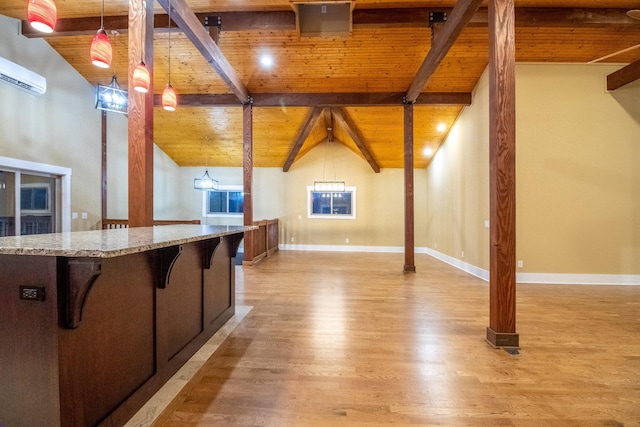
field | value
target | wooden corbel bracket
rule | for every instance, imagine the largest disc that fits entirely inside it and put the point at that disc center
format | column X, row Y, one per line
column 234, row 242
column 210, row 247
column 166, row 258
column 77, row 276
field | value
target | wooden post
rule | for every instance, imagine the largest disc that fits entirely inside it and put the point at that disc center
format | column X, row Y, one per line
column 140, row 116
column 502, row 169
column 409, row 238
column 247, row 178
column 104, row 166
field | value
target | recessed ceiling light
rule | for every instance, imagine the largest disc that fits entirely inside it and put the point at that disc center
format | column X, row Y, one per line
column 428, row 151
column 441, row 127
column 266, row 61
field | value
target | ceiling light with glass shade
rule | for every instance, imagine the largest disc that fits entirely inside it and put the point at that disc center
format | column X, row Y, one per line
column 206, row 183
column 169, row 96
column 141, row 79
column 42, row 15
column 101, row 51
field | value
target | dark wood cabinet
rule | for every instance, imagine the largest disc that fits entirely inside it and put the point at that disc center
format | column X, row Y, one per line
column 97, row 337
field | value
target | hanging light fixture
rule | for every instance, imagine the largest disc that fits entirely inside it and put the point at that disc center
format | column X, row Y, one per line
column 101, row 51
column 329, row 185
column 141, row 78
column 42, row 15
column 111, row 97
column 206, row 183
column 169, row 96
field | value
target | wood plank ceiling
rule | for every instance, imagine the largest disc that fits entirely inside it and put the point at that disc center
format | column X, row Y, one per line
column 357, row 79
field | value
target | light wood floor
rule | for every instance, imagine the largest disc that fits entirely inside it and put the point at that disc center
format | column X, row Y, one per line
column 349, row 340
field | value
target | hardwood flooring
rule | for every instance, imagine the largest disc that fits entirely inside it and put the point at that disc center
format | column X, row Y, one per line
column 338, row 339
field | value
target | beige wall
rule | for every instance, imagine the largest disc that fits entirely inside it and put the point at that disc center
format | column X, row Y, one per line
column 59, row 128
column 578, row 178
column 578, row 183
column 458, row 186
column 379, row 222
column 63, row 128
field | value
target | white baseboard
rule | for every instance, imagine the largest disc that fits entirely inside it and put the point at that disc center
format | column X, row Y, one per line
column 341, row 248
column 540, row 278
column 464, row 266
column 579, row 279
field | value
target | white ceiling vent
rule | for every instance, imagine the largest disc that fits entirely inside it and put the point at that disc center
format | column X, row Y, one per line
column 21, row 78
column 318, row 19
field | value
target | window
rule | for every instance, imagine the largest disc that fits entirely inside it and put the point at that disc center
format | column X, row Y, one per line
column 227, row 201
column 35, row 199
column 331, row 204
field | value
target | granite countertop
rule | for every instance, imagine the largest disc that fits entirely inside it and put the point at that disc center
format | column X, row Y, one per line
column 112, row 243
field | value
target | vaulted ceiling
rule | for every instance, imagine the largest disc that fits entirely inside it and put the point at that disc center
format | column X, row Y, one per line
column 348, row 88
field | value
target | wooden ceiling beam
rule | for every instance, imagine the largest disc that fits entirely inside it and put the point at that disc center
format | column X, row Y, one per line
column 188, row 22
column 321, row 99
column 456, row 22
column 231, row 21
column 381, row 18
column 328, row 123
column 308, row 125
column 624, row 76
column 345, row 120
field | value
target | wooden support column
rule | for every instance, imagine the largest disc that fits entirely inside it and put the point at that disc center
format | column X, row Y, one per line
column 247, row 178
column 502, row 169
column 409, row 238
column 140, row 116
column 104, row 166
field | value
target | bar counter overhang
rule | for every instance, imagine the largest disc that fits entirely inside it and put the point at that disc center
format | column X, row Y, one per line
column 93, row 323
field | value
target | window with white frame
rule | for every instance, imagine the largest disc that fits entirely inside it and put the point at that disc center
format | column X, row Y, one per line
column 228, row 200
column 331, row 204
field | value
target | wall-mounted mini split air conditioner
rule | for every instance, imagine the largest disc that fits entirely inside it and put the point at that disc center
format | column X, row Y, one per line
column 22, row 78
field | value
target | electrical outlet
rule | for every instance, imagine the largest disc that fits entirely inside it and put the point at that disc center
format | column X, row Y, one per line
column 32, row 293
column 347, row 240
column 520, row 263
column 462, row 254
column 293, row 239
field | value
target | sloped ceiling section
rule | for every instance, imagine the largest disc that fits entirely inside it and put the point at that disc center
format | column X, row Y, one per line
column 357, row 81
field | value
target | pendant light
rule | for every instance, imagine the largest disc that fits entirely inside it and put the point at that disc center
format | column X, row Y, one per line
column 42, row 15
column 141, row 78
column 101, row 51
column 169, row 97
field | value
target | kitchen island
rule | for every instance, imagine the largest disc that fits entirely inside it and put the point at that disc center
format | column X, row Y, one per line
column 93, row 323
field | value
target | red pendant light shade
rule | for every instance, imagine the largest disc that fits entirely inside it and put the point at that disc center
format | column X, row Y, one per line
column 101, row 51
column 169, row 98
column 42, row 15
column 141, row 78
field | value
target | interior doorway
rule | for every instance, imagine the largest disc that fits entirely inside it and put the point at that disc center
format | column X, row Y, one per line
column 34, row 198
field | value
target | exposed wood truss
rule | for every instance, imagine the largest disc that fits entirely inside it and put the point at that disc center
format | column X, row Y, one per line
column 302, row 136
column 188, row 22
column 332, row 116
column 624, row 76
column 393, row 17
column 341, row 116
column 321, row 99
column 460, row 16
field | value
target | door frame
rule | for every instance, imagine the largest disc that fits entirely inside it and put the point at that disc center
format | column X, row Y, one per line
column 64, row 174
